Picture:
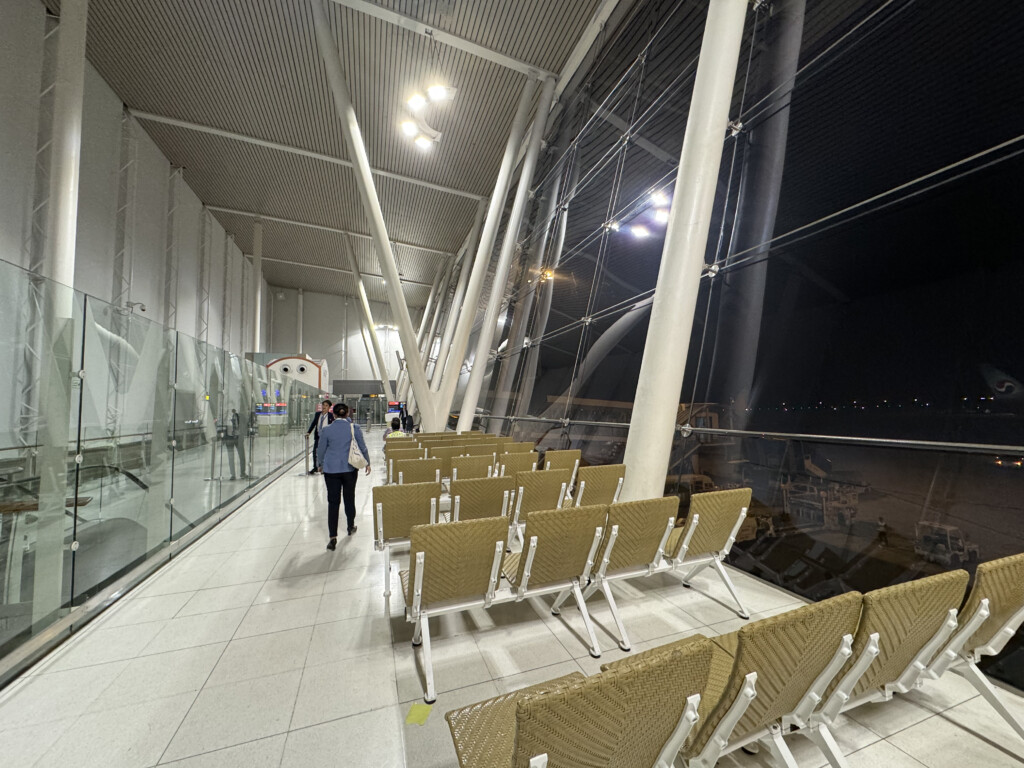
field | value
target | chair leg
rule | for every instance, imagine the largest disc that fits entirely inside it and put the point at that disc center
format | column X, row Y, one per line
column 562, row 597
column 743, row 614
column 694, row 571
column 623, row 637
column 417, row 640
column 387, row 571
column 595, row 648
column 826, row 742
column 779, row 749
column 977, row 678
column 590, row 590
column 428, row 665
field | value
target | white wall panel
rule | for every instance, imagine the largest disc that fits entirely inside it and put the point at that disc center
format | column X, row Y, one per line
column 150, row 220
column 188, row 237
column 98, row 189
column 21, row 66
column 216, row 282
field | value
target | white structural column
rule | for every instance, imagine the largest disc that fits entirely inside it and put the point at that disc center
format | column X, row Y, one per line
column 427, row 342
column 257, row 280
column 364, row 303
column 58, row 310
column 652, row 426
column 447, row 379
column 402, row 385
column 508, row 247
column 298, row 322
column 371, row 205
column 460, row 294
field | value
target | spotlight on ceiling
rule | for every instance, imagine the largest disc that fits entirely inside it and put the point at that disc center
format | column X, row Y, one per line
column 660, row 199
column 409, row 128
column 440, row 92
column 639, row 232
column 417, row 102
column 613, row 226
column 661, row 215
column 423, row 143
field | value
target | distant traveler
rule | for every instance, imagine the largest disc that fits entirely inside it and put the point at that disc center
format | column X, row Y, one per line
column 340, row 477
column 320, row 422
column 234, row 443
column 408, row 424
column 396, row 429
column 883, row 532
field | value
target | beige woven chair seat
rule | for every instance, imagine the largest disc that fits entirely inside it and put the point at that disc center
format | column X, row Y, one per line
column 484, row 733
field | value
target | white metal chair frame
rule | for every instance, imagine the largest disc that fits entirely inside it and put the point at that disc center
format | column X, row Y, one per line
column 507, row 498
column 385, row 545
column 515, row 528
column 583, row 486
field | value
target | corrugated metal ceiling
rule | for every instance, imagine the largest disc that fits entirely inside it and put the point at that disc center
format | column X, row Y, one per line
column 252, row 67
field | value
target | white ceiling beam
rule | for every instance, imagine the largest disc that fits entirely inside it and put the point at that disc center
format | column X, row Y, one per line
column 414, row 25
column 321, row 227
column 340, row 271
column 163, row 119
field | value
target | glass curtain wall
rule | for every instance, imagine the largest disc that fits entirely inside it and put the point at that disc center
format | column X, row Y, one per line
column 855, row 356
column 117, row 436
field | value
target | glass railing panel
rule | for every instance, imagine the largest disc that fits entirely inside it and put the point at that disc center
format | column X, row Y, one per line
column 41, row 348
column 126, row 454
column 197, row 394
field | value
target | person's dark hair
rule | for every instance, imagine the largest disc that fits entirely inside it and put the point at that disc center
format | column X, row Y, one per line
column 396, row 423
column 327, row 402
column 340, row 411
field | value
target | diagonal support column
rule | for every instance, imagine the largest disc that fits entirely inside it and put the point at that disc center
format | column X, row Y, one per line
column 356, row 151
column 652, row 425
column 508, row 246
column 364, row 303
column 449, row 375
column 470, row 246
column 257, row 279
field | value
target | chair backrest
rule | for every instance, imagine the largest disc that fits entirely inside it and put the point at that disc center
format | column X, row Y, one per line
column 400, row 442
column 541, row 489
column 402, row 454
column 564, row 539
column 719, row 515
column 642, row 529
column 402, row 507
column 471, row 467
column 511, row 463
column 480, row 448
column 445, row 453
column 788, row 652
column 518, row 447
column 416, row 471
column 458, row 558
column 482, row 497
column 598, row 485
column 1002, row 583
column 562, row 459
column 906, row 617
column 622, row 717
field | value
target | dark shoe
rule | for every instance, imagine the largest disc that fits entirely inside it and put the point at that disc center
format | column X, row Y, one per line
column 231, row 478
column 353, row 529
column 332, row 543
column 312, row 471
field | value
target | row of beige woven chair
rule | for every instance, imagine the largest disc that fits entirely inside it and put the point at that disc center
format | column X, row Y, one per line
column 458, row 566
column 488, row 461
column 641, row 540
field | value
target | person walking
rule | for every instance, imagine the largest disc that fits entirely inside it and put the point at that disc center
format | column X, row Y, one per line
column 235, row 442
column 340, row 477
column 320, row 422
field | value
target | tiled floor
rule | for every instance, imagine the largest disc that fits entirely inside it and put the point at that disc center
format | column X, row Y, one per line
column 260, row 648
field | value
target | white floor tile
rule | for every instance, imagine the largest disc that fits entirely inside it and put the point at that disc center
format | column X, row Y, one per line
column 337, row 606
column 125, row 737
column 220, row 599
column 457, row 663
column 347, row 639
column 262, row 655
column 22, row 747
column 370, row 739
column 43, row 698
column 279, row 616
column 145, row 609
column 938, row 743
column 226, row 715
column 191, row 631
column 262, row 753
column 102, row 645
column 430, row 745
column 160, row 676
column 333, row 691
column 291, row 589
column 978, row 717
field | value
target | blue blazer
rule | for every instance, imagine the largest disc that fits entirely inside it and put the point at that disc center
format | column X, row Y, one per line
column 332, row 451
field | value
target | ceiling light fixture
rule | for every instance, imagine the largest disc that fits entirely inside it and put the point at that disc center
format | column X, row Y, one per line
column 639, row 232
column 438, row 92
column 660, row 199
column 661, row 215
column 423, row 142
column 409, row 128
column 417, row 102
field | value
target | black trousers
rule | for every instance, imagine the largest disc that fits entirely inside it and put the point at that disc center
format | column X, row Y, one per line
column 340, row 484
column 316, row 443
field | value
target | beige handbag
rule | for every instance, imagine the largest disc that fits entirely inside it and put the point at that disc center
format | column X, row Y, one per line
column 355, row 456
